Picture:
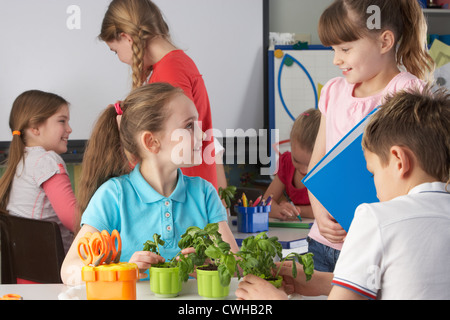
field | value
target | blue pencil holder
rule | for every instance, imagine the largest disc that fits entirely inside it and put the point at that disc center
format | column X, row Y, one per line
column 252, row 219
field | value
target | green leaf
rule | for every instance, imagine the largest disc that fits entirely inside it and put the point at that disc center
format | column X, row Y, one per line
column 294, row 270
column 224, row 275
column 211, row 228
column 230, row 263
column 213, row 252
column 224, row 246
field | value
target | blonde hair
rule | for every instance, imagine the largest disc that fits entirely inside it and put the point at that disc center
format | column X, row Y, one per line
column 418, row 120
column 106, row 152
column 30, row 109
column 142, row 21
column 346, row 21
column 305, row 128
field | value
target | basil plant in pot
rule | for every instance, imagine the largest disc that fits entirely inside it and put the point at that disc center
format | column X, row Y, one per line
column 216, row 263
column 166, row 278
column 258, row 254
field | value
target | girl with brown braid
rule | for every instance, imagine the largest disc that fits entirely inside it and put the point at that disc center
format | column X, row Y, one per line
column 136, row 31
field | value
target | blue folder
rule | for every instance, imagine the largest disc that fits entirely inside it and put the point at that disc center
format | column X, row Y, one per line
column 341, row 181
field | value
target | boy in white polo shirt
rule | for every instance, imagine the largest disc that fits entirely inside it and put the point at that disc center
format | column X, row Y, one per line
column 398, row 248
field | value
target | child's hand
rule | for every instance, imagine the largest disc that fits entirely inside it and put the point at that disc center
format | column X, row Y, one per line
column 329, row 228
column 290, row 284
column 254, row 288
column 144, row 260
column 285, row 211
column 186, row 251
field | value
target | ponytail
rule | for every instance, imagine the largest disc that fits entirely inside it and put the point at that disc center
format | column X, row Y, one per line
column 412, row 50
column 15, row 154
column 103, row 157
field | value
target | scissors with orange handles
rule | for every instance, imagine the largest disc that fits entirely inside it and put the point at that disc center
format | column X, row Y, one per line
column 100, row 248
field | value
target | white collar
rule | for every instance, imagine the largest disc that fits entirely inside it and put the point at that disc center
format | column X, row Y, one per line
column 437, row 186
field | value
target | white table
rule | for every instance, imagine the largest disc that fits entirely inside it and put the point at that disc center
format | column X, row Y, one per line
column 143, row 292
column 63, row 292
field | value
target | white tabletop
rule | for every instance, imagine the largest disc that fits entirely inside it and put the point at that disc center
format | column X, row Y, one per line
column 63, row 292
column 143, row 292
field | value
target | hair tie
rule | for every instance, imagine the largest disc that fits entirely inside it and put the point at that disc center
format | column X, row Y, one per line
column 118, row 108
column 16, row 133
column 305, row 114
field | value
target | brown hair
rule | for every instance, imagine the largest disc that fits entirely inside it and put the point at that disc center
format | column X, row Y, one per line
column 346, row 21
column 418, row 120
column 31, row 108
column 305, row 128
column 104, row 158
column 142, row 21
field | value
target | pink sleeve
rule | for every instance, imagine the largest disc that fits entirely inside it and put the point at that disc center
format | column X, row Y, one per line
column 59, row 191
column 325, row 94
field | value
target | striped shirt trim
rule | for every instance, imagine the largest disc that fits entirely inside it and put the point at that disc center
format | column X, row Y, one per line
column 355, row 288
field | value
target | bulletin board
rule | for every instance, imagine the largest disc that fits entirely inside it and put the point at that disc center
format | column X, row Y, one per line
column 296, row 77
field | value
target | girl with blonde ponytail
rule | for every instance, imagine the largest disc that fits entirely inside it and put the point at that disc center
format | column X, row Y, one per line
column 136, row 31
column 380, row 46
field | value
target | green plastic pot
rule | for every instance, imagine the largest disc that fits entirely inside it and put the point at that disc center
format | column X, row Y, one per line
column 209, row 286
column 165, row 281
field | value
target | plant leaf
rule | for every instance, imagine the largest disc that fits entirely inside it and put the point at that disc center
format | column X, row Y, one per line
column 224, row 275
column 213, row 252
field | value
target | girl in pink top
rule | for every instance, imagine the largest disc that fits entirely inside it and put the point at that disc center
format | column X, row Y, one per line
column 35, row 184
column 372, row 41
column 292, row 168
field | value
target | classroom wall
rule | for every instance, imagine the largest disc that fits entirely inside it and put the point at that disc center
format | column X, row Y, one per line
column 52, row 45
column 302, row 16
column 297, row 16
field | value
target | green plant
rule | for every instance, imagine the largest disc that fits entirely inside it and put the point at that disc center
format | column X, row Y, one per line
column 258, row 253
column 208, row 244
column 153, row 246
column 227, row 195
column 179, row 260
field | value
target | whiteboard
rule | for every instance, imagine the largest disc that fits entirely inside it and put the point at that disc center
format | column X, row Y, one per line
column 296, row 86
column 52, row 45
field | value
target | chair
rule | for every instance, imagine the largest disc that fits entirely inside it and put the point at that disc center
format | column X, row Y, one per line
column 250, row 193
column 32, row 250
column 6, row 276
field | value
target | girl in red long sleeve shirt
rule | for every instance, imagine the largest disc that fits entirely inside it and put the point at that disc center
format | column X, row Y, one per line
column 136, row 31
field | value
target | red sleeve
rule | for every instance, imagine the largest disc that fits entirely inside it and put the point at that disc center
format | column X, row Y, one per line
column 283, row 167
column 59, row 191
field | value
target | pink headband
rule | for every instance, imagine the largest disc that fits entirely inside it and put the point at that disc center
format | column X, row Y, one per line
column 118, row 108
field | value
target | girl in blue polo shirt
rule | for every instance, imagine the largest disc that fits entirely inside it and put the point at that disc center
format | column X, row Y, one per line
column 159, row 132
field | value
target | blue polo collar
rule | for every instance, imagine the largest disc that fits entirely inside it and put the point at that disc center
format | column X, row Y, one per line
column 148, row 195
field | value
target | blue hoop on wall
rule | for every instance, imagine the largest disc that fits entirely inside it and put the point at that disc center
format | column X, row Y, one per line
column 279, row 83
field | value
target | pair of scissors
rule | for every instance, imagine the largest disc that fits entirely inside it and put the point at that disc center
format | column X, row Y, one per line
column 100, row 248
